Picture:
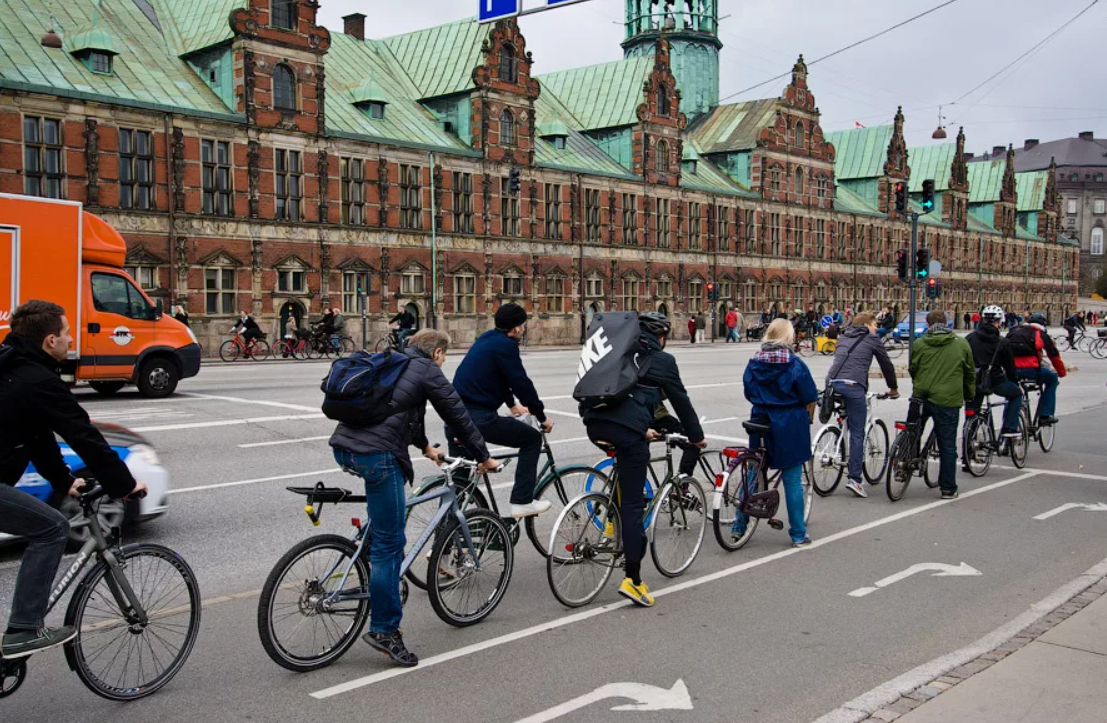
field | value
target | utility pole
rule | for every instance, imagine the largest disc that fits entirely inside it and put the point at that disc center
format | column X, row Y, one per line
column 913, row 284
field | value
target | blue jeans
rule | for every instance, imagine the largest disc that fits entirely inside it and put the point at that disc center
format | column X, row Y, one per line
column 1011, row 392
column 793, row 498
column 945, row 430
column 385, row 498
column 856, row 416
column 46, row 531
column 732, row 334
column 1049, row 382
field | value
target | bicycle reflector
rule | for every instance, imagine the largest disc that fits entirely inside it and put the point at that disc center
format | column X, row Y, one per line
column 901, row 426
column 970, row 413
column 355, row 522
column 730, row 452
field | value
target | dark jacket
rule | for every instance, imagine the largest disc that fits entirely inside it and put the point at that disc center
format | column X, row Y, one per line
column 405, row 319
column 854, row 355
column 942, row 370
column 35, row 404
column 339, row 324
column 1028, row 341
column 987, row 344
column 492, row 374
column 780, row 392
column 247, row 325
column 421, row 382
column 660, row 381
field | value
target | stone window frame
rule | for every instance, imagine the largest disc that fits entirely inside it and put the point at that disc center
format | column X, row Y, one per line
column 662, row 160
column 411, row 196
column 465, row 292
column 413, row 280
column 220, row 292
column 799, row 136
column 663, row 99
column 132, row 163
column 1096, row 236
column 553, row 211
column 664, row 224
column 1099, row 206
column 349, row 290
column 352, row 190
column 286, row 88
column 695, row 291
column 508, row 128
column 289, row 272
column 695, row 225
column 47, row 183
column 463, row 202
column 217, row 178
column 513, row 284
column 288, row 184
column 509, row 209
column 593, row 286
column 630, row 219
column 593, row 232
column 554, row 293
column 146, row 275
column 509, row 63
column 282, row 14
column 722, row 224
column 664, row 286
column 631, row 291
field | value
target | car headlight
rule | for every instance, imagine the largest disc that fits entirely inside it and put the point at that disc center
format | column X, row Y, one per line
column 147, row 454
column 192, row 334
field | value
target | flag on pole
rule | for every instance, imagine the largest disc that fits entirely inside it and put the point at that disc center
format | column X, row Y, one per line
column 858, row 124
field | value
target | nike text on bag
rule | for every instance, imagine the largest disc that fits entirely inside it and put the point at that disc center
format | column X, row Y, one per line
column 610, row 362
column 359, row 387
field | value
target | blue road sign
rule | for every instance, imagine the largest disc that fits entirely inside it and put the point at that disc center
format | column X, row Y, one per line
column 492, row 10
column 826, row 321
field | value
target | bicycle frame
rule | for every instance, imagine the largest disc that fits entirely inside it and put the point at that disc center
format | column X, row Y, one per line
column 841, row 422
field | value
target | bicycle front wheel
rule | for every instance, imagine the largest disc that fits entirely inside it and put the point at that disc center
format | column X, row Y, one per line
column 466, row 584
column 894, row 348
column 679, row 521
column 301, row 627
column 899, row 471
column 118, row 654
column 346, row 346
column 559, row 489
column 229, row 351
column 418, row 517
column 584, row 548
column 931, row 460
column 976, row 447
column 261, row 350
column 825, row 467
column 876, row 452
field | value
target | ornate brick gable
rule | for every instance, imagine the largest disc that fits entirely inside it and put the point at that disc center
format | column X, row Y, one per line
column 896, row 166
column 658, row 144
column 1051, row 205
column 955, row 205
column 1005, row 216
column 502, row 109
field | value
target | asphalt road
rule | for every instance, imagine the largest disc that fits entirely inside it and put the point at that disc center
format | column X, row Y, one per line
column 763, row 634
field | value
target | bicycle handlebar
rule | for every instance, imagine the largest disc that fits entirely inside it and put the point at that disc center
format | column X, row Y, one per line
column 93, row 491
column 453, row 463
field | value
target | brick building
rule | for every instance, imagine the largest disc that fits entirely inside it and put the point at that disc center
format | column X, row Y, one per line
column 254, row 160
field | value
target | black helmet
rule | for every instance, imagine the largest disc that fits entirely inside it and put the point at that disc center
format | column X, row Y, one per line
column 655, row 323
column 1037, row 318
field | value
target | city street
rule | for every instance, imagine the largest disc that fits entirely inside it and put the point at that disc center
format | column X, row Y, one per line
column 767, row 633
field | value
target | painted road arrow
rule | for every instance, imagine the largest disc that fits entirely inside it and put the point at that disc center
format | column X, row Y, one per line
column 938, row 568
column 646, row 697
column 1097, row 507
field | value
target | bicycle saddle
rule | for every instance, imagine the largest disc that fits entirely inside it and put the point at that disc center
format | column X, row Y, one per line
column 1031, row 386
column 754, row 426
column 605, row 446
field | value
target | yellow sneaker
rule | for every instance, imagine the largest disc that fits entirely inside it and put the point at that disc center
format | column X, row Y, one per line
column 639, row 594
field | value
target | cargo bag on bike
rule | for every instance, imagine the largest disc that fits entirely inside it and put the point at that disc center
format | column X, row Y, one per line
column 359, row 387
column 762, row 505
column 611, row 361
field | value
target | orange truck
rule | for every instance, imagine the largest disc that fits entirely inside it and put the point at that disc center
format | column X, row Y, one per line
column 55, row 251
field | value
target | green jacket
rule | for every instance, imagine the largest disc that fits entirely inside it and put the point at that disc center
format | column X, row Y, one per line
column 942, row 369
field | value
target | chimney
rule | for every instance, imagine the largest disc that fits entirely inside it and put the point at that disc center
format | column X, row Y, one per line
column 1029, row 143
column 999, row 151
column 970, row 156
column 1087, row 136
column 354, row 25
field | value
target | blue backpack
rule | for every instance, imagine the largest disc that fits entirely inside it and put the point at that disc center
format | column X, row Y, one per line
column 358, row 390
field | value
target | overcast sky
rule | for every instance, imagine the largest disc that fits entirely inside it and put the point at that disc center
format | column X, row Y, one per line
column 1059, row 91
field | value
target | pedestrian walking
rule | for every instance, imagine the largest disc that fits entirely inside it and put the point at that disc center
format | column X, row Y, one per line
column 692, row 329
column 180, row 314
column 976, row 320
column 701, row 327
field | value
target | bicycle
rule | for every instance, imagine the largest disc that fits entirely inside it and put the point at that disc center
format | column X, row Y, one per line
column 894, row 347
column 137, row 612
column 1044, row 434
column 830, row 451
column 1080, row 341
column 311, row 611
column 294, row 348
column 907, row 458
column 236, row 347
column 747, row 491
column 586, row 537
column 979, row 441
column 390, row 341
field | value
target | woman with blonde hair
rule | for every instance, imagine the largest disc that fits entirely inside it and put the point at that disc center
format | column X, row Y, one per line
column 780, row 387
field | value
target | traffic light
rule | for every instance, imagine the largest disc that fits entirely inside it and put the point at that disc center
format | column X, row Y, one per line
column 933, row 288
column 514, row 182
column 711, row 290
column 901, row 196
column 922, row 263
column 901, row 264
column 928, row 196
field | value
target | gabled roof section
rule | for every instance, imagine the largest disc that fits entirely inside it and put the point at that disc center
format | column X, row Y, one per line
column 861, row 153
column 734, row 127
column 1067, row 151
column 986, row 180
column 580, row 153
column 978, row 226
column 198, row 24
column 1031, row 189
column 847, row 201
column 709, row 177
column 146, row 71
column 601, row 96
column 932, row 162
column 439, row 60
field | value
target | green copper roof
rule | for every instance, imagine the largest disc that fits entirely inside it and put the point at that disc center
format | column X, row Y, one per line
column 849, row 202
column 708, row 177
column 860, row 153
column 601, row 96
column 439, row 60
column 986, row 180
column 928, row 219
column 1024, row 234
column 580, row 153
column 1031, row 187
column 553, row 128
column 196, row 24
column 733, row 127
column 92, row 39
column 367, row 91
column 931, row 162
column 978, row 226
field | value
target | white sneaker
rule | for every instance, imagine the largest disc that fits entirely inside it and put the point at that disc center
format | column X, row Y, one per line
column 856, row 488
column 536, row 507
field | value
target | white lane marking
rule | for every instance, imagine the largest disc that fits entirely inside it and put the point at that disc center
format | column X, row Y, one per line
column 275, row 443
column 239, row 483
column 721, row 438
column 645, row 697
column 686, row 585
column 559, row 413
column 1095, row 507
column 940, row 569
column 1057, row 473
column 226, row 423
column 260, row 402
column 694, row 386
column 719, row 421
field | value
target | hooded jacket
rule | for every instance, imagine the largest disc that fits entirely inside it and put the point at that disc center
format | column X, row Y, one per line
column 854, row 355
column 35, row 404
column 942, row 368
column 780, row 392
column 492, row 374
column 987, row 344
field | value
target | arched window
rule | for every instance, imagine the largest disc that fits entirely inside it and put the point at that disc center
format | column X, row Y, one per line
column 509, row 64
column 507, row 128
column 282, row 14
column 799, row 180
column 284, row 88
column 662, row 99
column 800, row 140
column 662, row 156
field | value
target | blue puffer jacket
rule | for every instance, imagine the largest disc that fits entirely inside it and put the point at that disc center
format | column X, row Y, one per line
column 781, row 391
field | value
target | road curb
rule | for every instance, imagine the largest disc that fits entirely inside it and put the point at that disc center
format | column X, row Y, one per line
column 903, row 694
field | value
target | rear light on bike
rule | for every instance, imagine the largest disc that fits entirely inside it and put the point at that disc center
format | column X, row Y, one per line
column 901, row 426
column 611, row 453
column 355, row 522
column 970, row 413
column 730, row 452
column 719, row 480
column 569, row 547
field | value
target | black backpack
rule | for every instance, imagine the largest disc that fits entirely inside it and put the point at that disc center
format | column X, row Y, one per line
column 359, row 387
column 612, row 360
column 1023, row 341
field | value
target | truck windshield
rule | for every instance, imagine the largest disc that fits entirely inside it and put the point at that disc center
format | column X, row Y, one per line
column 116, row 295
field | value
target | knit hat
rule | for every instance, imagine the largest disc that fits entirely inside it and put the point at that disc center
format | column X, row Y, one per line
column 510, row 315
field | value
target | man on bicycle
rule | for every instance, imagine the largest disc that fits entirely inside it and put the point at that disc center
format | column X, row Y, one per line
column 885, row 323
column 247, row 327
column 406, row 321
column 379, row 455
column 624, row 426
column 339, row 327
column 35, row 404
column 849, row 378
column 492, row 375
column 1028, row 341
column 1071, row 324
column 992, row 353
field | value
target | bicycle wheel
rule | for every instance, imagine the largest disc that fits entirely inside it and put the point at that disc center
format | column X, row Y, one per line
column 1046, row 436
column 825, row 467
column 468, row 584
column 115, row 654
column 931, row 460
column 301, row 351
column 347, row 346
column 898, row 475
column 1084, row 344
column 1062, row 343
column 382, row 344
column 300, row 630
column 976, row 447
column 1020, row 446
column 584, row 548
column 229, row 351
column 261, row 350
column 894, row 348
column 679, row 521
column 559, row 488
column 733, row 529
column 876, row 452
column 417, row 517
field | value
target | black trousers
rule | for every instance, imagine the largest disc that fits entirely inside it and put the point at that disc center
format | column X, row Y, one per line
column 632, row 457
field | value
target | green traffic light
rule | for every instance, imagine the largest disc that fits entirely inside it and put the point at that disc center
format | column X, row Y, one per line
column 923, row 273
column 928, row 206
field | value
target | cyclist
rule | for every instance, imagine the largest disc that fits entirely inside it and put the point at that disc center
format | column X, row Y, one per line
column 35, row 404
column 625, row 424
column 1071, row 324
column 339, row 327
column 849, row 378
column 379, row 455
column 491, row 375
column 406, row 321
column 247, row 327
column 885, row 323
column 1028, row 341
column 992, row 353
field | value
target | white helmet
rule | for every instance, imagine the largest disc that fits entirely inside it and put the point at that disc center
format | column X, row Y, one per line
column 992, row 313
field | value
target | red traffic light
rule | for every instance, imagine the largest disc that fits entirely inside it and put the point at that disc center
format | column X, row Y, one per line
column 901, row 187
column 932, row 282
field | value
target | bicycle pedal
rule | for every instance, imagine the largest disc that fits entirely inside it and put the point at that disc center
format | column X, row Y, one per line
column 776, row 524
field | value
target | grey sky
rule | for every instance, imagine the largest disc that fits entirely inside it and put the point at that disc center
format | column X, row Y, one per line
column 1061, row 90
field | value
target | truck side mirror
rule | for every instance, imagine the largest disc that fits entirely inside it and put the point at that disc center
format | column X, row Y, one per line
column 158, row 313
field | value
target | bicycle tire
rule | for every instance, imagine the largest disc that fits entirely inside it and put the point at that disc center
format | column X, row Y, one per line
column 1084, row 344
column 262, row 351
column 346, row 346
column 458, row 573
column 826, row 468
column 1046, row 436
column 894, row 348
column 560, row 487
column 976, row 447
column 382, row 344
column 12, row 675
column 1062, row 343
column 679, row 521
column 898, row 456
column 161, row 605
column 1019, row 447
column 725, row 513
column 584, row 549
column 469, row 495
column 229, row 351
column 930, row 460
column 301, row 351
column 1099, row 349
column 340, row 549
column 876, row 448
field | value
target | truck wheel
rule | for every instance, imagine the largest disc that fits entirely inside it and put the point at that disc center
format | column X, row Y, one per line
column 158, row 378
column 107, row 388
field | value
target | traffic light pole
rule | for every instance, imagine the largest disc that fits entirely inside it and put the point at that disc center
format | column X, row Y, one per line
column 913, row 283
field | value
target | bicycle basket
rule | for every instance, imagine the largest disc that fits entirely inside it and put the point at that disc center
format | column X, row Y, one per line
column 762, row 505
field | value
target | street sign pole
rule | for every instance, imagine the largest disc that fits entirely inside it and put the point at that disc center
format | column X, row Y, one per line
column 492, row 10
column 363, row 302
column 913, row 281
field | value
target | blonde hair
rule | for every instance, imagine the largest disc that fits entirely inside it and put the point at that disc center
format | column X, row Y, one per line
column 781, row 332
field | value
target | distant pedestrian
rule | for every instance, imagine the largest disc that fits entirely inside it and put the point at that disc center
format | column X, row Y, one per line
column 732, row 326
column 976, row 320
column 967, row 319
column 701, row 326
column 180, row 314
column 692, row 329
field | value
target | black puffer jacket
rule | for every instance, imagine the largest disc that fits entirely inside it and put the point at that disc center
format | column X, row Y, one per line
column 421, row 382
column 988, row 347
column 35, row 404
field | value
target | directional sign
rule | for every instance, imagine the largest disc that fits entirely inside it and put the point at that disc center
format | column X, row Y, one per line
column 826, row 321
column 935, row 268
column 645, row 697
column 492, row 10
column 1097, row 507
column 939, row 569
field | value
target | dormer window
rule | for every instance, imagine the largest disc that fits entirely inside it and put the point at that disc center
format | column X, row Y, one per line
column 560, row 142
column 95, row 48
column 99, row 62
column 370, row 97
column 375, row 110
column 509, row 64
column 284, row 88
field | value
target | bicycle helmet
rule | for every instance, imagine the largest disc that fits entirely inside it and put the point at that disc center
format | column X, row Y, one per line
column 992, row 313
column 1037, row 318
column 655, row 323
